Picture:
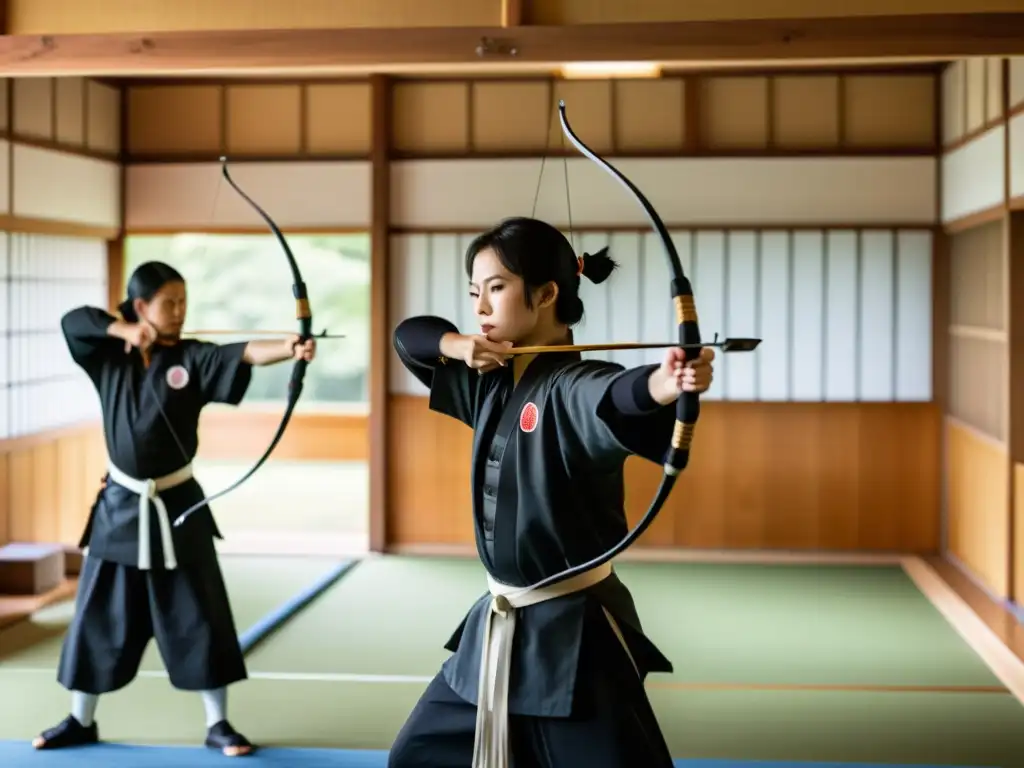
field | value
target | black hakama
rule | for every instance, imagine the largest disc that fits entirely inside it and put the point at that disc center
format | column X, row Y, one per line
column 548, row 493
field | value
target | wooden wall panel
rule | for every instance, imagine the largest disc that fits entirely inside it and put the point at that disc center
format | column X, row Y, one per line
column 807, row 111
column 892, row 111
column 264, row 120
column 972, row 95
column 434, row 116
column 791, row 113
column 49, row 483
column 327, row 195
column 70, row 113
column 1018, row 531
column 1016, row 81
column 978, row 330
column 256, row 120
column 734, row 112
column 842, row 313
column 812, row 477
column 242, row 434
column 36, row 17
column 704, row 191
column 174, row 118
column 590, row 12
column 32, row 104
column 337, row 118
column 978, row 504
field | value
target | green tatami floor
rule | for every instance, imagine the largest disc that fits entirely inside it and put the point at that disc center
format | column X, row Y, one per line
column 256, row 585
column 746, row 624
column 347, row 671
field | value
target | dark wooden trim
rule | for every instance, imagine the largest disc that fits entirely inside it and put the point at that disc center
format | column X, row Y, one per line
column 976, row 219
column 380, row 335
column 1013, row 243
column 172, row 158
column 57, row 146
column 512, row 13
column 978, row 132
column 531, row 154
column 735, row 226
column 929, row 35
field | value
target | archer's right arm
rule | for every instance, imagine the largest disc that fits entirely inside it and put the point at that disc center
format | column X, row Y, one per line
column 431, row 348
column 92, row 335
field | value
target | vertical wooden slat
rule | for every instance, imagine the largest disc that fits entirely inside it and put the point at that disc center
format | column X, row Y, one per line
column 691, row 100
column 380, row 338
column 512, row 13
column 1013, row 245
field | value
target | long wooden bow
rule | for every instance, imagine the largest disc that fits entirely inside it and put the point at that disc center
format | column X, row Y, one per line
column 688, row 403
column 304, row 315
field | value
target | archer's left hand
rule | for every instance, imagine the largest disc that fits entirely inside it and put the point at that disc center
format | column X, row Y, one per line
column 676, row 374
column 301, row 350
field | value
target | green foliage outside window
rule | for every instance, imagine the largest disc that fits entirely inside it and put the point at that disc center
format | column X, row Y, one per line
column 242, row 282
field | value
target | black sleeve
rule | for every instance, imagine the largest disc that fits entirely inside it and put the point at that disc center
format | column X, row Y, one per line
column 453, row 385
column 223, row 374
column 611, row 412
column 85, row 332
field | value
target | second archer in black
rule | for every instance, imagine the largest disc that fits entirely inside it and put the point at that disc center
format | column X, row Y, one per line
column 141, row 577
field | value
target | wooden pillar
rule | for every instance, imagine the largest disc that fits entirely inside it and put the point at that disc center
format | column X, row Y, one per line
column 1014, row 244
column 1013, row 250
column 380, row 332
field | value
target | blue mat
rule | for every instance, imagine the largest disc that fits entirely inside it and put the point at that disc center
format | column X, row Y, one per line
column 17, row 754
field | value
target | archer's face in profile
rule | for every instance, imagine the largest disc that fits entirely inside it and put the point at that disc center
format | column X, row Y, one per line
column 498, row 301
column 166, row 310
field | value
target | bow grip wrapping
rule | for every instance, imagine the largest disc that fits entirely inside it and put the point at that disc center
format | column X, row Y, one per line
column 305, row 317
column 688, row 403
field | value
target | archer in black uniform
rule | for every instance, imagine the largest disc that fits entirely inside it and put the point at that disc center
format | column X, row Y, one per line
column 141, row 577
column 551, row 435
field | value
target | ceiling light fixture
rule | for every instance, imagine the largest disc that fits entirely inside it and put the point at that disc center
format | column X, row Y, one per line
column 605, row 69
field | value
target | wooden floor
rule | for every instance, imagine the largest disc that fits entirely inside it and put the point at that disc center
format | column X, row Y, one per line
column 996, row 615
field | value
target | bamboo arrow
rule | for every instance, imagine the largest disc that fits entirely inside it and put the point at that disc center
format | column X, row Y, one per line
column 728, row 345
column 322, row 335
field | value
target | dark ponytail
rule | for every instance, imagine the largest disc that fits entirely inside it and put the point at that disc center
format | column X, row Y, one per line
column 540, row 254
column 146, row 280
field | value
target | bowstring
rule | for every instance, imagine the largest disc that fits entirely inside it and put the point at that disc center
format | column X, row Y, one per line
column 565, row 165
column 149, row 381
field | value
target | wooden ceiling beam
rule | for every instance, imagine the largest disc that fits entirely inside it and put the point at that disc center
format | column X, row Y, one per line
column 398, row 50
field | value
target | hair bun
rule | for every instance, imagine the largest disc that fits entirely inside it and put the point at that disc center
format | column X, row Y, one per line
column 597, row 267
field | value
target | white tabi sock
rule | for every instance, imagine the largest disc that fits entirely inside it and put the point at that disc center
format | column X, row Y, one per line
column 83, row 707
column 216, row 703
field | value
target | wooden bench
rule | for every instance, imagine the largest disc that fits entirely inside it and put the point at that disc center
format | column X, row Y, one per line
column 33, row 576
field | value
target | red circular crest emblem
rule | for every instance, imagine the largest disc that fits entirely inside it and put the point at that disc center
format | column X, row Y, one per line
column 528, row 418
column 177, row 377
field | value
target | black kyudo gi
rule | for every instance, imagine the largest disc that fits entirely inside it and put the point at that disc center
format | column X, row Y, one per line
column 141, row 577
column 561, row 670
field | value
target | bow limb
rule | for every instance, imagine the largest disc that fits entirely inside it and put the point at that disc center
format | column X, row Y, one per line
column 303, row 314
column 688, row 403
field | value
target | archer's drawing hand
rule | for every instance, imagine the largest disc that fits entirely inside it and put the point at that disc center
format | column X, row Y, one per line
column 676, row 375
column 139, row 335
column 300, row 350
column 478, row 351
